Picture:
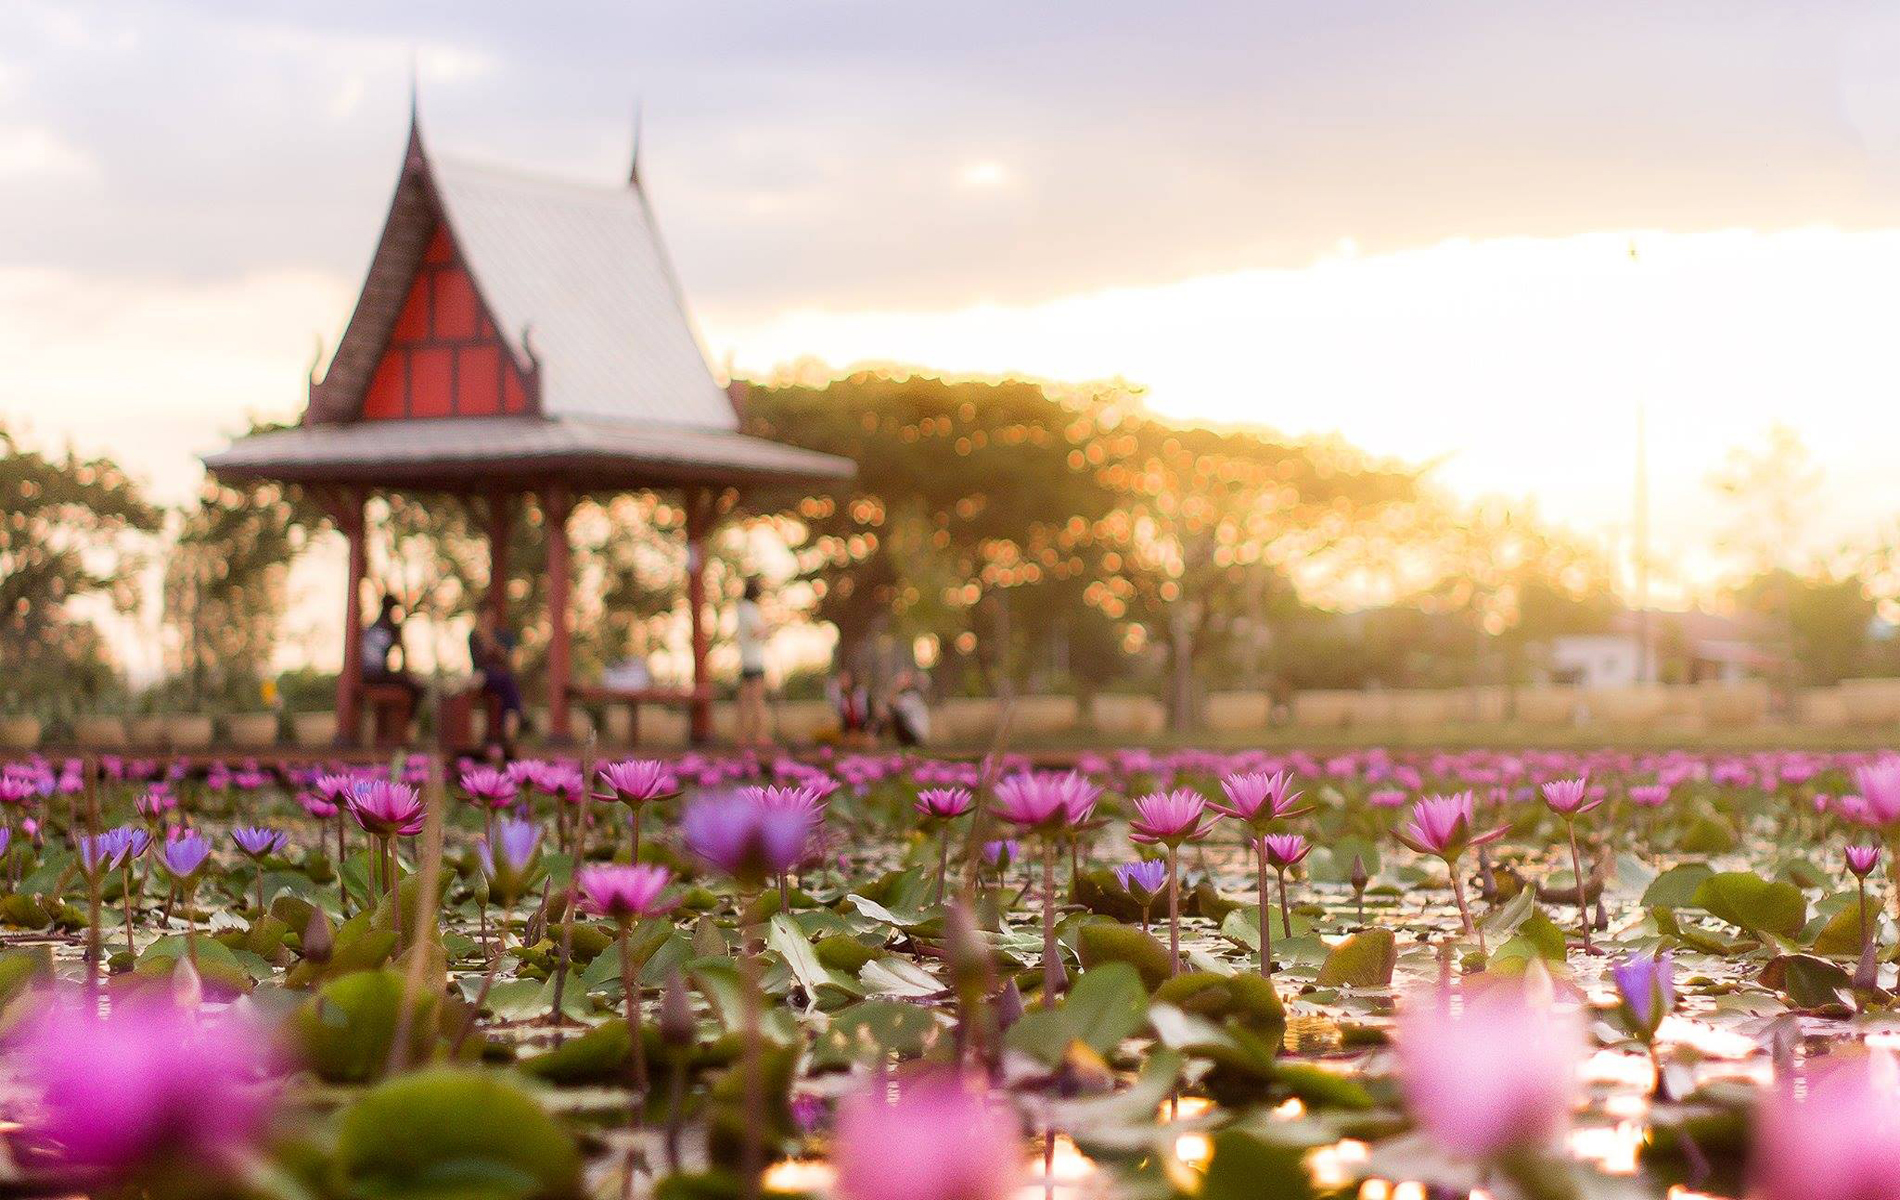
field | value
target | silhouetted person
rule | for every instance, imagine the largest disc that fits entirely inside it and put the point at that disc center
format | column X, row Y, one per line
column 751, row 631
column 491, row 651
column 385, row 662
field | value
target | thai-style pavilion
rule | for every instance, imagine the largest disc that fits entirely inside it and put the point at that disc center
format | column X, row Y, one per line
column 520, row 335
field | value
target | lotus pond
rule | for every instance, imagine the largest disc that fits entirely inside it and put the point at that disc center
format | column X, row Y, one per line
column 1376, row 974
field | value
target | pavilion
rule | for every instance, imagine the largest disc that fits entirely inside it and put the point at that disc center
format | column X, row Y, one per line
column 520, row 335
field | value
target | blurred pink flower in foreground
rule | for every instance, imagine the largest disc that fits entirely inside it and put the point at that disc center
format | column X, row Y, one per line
column 1497, row 1073
column 939, row 1140
column 1838, row 1141
column 146, row 1082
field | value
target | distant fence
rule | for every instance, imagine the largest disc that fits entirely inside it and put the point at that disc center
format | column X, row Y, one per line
column 968, row 721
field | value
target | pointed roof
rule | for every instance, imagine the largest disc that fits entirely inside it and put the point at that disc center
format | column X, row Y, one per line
column 586, row 303
column 575, row 277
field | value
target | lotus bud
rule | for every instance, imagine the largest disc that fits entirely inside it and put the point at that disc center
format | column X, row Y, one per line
column 1009, row 1005
column 319, row 940
column 188, row 990
column 676, row 1013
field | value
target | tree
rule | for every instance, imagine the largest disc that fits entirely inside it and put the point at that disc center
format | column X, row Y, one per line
column 1770, row 490
column 967, row 495
column 66, row 527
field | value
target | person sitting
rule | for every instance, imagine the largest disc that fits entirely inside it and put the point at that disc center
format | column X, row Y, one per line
column 851, row 702
column 385, row 662
column 491, row 652
column 907, row 712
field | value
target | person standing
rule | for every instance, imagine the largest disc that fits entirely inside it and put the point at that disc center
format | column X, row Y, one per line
column 491, row 652
column 751, row 632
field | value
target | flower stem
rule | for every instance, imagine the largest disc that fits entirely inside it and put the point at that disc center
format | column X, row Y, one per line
column 1174, row 910
column 1583, row 898
column 1050, row 967
column 1464, row 910
column 943, row 860
column 1286, row 914
column 630, row 991
column 126, row 886
column 752, row 1078
column 1266, row 922
column 342, row 888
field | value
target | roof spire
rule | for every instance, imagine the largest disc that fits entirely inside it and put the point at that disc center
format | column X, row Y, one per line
column 415, row 153
column 633, row 168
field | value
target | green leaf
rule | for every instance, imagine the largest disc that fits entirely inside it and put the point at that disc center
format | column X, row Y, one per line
column 1108, row 1004
column 1809, row 982
column 1841, row 936
column 1364, row 960
column 1753, row 903
column 1244, row 997
column 908, row 919
column 867, row 1031
column 450, row 1132
column 345, row 1031
column 894, row 976
column 1246, row 1168
column 1537, row 937
column 1676, row 887
column 1101, row 942
column 784, row 937
column 1504, row 920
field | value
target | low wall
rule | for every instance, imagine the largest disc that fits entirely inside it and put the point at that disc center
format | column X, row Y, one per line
column 1868, row 705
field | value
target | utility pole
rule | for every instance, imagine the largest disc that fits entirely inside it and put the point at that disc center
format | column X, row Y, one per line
column 1641, row 546
column 1640, row 528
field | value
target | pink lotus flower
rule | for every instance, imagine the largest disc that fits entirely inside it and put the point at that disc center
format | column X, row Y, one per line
column 1387, row 798
column 1570, row 798
column 1259, row 798
column 143, row 1084
column 746, row 838
column 943, row 804
column 489, row 788
column 637, row 781
column 1500, row 1074
column 622, row 893
column 1879, row 784
column 1862, row 858
column 1649, row 795
column 1441, row 826
column 387, row 809
column 940, row 1139
column 1170, row 818
column 1838, row 1141
column 1285, row 850
column 1046, row 800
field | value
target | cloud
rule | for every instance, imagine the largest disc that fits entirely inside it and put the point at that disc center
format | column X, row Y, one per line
column 1519, row 362
column 157, row 372
column 36, row 154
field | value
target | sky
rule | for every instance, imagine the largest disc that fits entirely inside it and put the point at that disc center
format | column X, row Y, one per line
column 1410, row 224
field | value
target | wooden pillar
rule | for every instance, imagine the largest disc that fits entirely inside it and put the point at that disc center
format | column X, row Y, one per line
column 698, row 525
column 556, row 506
column 500, row 522
column 347, row 510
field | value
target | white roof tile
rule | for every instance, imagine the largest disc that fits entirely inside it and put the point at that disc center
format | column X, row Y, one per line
column 580, row 268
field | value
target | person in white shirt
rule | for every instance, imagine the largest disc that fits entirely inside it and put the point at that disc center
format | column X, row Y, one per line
column 751, row 633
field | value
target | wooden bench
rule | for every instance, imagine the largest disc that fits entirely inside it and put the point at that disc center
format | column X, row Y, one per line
column 455, row 722
column 599, row 696
column 391, row 709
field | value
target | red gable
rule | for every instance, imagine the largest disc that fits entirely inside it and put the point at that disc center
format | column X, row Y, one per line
column 444, row 357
